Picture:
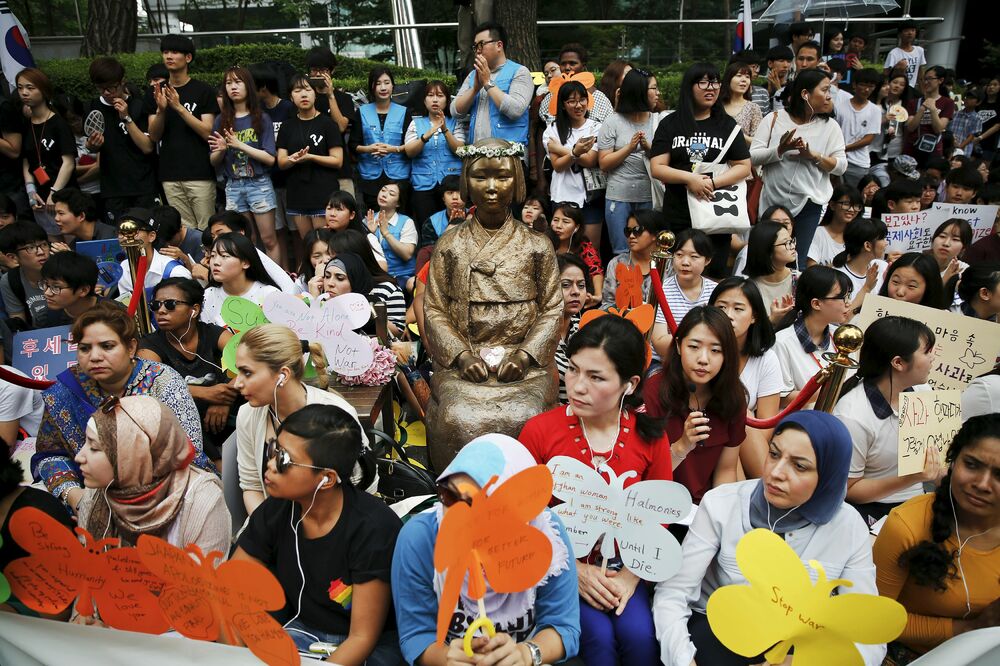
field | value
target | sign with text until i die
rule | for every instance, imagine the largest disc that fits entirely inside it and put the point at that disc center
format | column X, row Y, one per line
column 926, row 418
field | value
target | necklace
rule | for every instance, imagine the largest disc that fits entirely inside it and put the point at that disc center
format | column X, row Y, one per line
column 598, row 459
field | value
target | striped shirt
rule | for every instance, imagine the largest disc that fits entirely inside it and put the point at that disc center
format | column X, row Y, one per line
column 395, row 305
column 562, row 361
column 678, row 302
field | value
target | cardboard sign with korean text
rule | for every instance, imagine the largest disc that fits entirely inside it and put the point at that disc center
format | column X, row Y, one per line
column 965, row 347
column 44, row 353
column 926, row 418
column 914, row 231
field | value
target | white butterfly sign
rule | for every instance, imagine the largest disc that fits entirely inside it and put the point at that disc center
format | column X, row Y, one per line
column 330, row 323
column 631, row 517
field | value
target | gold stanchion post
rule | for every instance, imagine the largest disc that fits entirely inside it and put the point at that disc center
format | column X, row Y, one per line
column 847, row 339
column 134, row 249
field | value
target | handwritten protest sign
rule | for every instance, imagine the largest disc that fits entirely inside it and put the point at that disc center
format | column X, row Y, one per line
column 926, row 418
column 913, row 231
column 330, row 323
column 966, row 347
column 631, row 517
column 44, row 352
column 782, row 608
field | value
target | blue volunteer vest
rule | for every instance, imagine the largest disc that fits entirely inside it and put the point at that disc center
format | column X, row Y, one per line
column 397, row 267
column 395, row 166
column 436, row 160
column 501, row 126
column 439, row 221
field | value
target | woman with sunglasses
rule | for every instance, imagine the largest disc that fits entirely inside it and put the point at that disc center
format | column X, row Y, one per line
column 845, row 206
column 328, row 543
column 536, row 626
column 194, row 349
column 822, row 302
column 770, row 252
column 697, row 132
column 136, row 469
column 566, row 234
column 106, row 368
column 641, row 231
column 269, row 370
column 607, row 361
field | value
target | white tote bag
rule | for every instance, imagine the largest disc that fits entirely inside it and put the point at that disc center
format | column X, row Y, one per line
column 726, row 211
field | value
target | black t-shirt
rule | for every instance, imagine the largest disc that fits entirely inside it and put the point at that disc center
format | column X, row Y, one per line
column 12, row 121
column 125, row 170
column 353, row 133
column 183, row 153
column 196, row 371
column 989, row 113
column 309, row 185
column 703, row 145
column 38, row 499
column 357, row 550
column 278, row 114
column 49, row 141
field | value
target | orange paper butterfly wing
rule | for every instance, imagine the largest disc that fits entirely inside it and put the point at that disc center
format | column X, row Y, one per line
column 248, row 585
column 130, row 602
column 453, row 558
column 628, row 293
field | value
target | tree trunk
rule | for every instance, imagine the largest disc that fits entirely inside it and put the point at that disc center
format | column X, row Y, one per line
column 111, row 27
column 520, row 18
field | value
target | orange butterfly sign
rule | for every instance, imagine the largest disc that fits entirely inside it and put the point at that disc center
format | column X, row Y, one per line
column 586, row 78
column 205, row 602
column 60, row 570
column 493, row 535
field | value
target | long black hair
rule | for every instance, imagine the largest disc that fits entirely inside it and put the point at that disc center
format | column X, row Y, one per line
column 885, row 339
column 760, row 249
column 842, row 190
column 574, row 212
column 563, row 126
column 345, row 200
column 760, row 335
column 815, row 282
column 307, row 270
column 685, row 99
column 860, row 231
column 625, row 347
column 357, row 243
column 976, row 277
column 926, row 267
column 930, row 562
column 633, row 95
column 795, row 105
column 239, row 246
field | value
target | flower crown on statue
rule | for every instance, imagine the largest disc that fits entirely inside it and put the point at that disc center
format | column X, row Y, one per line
column 514, row 150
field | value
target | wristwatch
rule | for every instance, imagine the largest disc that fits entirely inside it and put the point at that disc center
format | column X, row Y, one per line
column 536, row 653
column 127, row 120
column 489, row 85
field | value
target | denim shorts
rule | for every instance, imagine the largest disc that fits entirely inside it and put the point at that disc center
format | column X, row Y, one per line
column 251, row 195
column 304, row 212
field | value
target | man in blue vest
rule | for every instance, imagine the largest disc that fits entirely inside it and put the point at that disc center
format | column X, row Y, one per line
column 497, row 93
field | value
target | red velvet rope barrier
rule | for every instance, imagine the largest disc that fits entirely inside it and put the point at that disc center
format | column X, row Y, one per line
column 138, row 286
column 802, row 398
column 657, row 286
column 26, row 382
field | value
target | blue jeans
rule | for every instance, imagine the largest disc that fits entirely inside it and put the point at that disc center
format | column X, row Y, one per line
column 386, row 652
column 804, row 229
column 616, row 214
column 628, row 639
column 251, row 195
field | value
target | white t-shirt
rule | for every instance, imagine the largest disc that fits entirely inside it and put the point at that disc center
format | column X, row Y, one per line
column 568, row 185
column 823, row 248
column 856, row 125
column 875, row 442
column 761, row 377
column 797, row 366
column 161, row 268
column 21, row 404
column 914, row 58
column 211, row 311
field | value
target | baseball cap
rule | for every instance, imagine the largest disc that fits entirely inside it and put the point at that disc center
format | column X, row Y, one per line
column 907, row 166
column 143, row 217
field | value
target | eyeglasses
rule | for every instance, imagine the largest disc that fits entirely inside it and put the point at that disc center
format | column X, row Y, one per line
column 48, row 286
column 282, row 461
column 789, row 244
column 708, row 84
column 928, row 79
column 847, row 205
column 170, row 304
column 579, row 101
column 448, row 496
column 109, row 89
column 839, row 297
column 34, row 248
column 478, row 46
column 634, row 231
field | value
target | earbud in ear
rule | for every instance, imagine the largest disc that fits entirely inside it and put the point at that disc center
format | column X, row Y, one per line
column 630, row 389
column 323, row 482
column 281, row 378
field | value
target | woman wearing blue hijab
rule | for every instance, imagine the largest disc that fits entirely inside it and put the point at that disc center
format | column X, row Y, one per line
column 800, row 497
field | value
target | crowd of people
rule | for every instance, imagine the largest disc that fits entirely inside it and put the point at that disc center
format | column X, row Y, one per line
column 282, row 184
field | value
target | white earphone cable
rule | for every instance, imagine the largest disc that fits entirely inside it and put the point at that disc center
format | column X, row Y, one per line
column 298, row 561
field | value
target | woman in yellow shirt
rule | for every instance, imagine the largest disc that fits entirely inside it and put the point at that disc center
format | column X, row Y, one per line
column 939, row 554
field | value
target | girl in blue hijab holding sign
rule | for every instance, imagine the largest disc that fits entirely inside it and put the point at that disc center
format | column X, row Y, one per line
column 800, row 497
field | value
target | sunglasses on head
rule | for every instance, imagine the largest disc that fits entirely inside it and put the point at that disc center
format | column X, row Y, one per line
column 169, row 303
column 282, row 460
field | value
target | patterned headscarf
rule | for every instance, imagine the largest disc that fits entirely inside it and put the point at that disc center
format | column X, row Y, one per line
column 150, row 454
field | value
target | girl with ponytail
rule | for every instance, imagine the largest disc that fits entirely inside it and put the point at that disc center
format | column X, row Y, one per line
column 896, row 356
column 937, row 554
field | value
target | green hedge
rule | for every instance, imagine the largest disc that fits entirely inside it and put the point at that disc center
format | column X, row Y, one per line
column 71, row 76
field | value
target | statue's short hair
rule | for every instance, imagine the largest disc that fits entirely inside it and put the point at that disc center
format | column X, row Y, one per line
column 520, row 188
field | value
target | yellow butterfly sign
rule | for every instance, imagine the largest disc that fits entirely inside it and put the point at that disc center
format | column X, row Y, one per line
column 781, row 608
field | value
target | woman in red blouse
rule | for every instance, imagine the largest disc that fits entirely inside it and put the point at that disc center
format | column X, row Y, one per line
column 705, row 405
column 566, row 232
column 598, row 427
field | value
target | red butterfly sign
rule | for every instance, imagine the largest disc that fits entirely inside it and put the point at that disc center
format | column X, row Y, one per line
column 205, row 602
column 493, row 534
column 61, row 569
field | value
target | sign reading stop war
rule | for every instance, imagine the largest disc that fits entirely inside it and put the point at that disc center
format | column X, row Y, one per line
column 914, row 231
column 926, row 418
column 965, row 347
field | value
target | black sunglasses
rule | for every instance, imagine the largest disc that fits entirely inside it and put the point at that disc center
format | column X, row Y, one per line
column 282, row 460
column 634, row 231
column 170, row 304
column 448, row 496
